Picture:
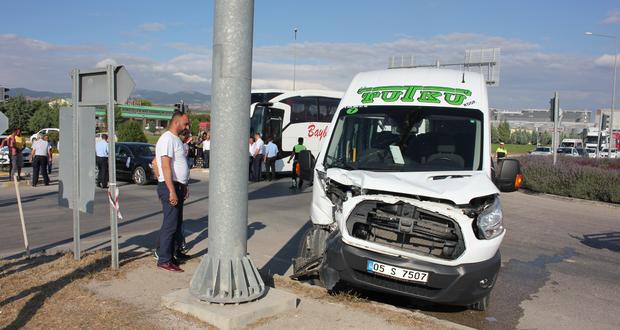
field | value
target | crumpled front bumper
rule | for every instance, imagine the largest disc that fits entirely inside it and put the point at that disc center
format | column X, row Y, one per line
column 454, row 285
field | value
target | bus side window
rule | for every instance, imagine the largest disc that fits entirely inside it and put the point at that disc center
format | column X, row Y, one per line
column 303, row 109
column 327, row 108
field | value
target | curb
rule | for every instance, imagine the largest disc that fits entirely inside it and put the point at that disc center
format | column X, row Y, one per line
column 566, row 198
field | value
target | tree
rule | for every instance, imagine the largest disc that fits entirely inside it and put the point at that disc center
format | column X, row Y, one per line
column 130, row 131
column 195, row 126
column 503, row 132
column 545, row 138
column 18, row 110
column 494, row 135
column 145, row 102
column 45, row 116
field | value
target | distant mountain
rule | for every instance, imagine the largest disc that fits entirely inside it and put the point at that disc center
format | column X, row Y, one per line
column 157, row 97
column 163, row 98
column 36, row 94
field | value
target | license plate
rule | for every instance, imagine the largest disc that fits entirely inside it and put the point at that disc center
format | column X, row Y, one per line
column 397, row 272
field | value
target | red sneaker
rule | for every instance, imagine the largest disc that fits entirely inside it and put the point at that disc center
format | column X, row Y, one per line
column 170, row 267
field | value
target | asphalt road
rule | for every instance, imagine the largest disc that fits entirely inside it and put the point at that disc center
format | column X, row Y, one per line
column 560, row 257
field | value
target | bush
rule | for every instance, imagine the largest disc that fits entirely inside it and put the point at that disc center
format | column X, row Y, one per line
column 587, row 178
column 130, row 131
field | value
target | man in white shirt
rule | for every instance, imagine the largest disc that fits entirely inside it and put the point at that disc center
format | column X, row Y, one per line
column 172, row 189
column 258, row 155
column 101, row 151
column 39, row 158
column 271, row 155
column 206, row 149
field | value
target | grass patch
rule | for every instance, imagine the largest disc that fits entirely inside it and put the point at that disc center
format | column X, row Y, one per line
column 514, row 148
column 586, row 178
column 152, row 139
column 47, row 292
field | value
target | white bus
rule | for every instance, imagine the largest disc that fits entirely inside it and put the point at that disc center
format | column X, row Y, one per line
column 289, row 115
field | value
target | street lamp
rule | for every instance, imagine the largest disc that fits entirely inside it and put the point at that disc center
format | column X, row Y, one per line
column 611, row 143
column 294, row 55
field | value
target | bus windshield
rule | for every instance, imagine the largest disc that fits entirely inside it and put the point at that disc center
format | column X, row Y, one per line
column 266, row 121
column 408, row 139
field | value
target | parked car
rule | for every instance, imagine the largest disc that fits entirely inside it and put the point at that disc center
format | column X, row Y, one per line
column 5, row 159
column 606, row 154
column 591, row 152
column 133, row 162
column 569, row 151
column 542, row 151
column 44, row 131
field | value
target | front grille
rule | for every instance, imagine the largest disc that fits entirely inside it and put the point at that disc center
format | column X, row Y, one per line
column 418, row 290
column 408, row 228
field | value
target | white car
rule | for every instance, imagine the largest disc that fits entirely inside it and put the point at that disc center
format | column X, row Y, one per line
column 405, row 200
column 606, row 154
column 44, row 131
column 5, row 159
column 542, row 151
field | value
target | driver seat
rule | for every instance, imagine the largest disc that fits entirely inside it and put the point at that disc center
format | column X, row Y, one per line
column 445, row 153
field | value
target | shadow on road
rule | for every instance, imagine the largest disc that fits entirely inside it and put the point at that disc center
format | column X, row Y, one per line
column 44, row 291
column 283, row 259
column 13, row 201
column 609, row 241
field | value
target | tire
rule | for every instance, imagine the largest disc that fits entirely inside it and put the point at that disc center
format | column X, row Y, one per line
column 139, row 176
column 311, row 247
column 482, row 304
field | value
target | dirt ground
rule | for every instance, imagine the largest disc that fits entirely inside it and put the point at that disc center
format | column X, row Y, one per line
column 55, row 291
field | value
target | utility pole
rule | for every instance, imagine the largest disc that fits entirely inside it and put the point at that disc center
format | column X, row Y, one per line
column 227, row 275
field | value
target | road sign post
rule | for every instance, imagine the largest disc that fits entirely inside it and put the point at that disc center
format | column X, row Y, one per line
column 226, row 274
column 555, row 108
column 76, row 189
column 76, row 166
column 112, row 166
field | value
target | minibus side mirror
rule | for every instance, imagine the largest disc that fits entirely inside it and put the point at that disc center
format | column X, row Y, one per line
column 508, row 176
column 306, row 165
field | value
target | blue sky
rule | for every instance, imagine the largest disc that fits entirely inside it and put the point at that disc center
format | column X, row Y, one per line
column 166, row 45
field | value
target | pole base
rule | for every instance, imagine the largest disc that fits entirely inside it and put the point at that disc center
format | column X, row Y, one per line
column 226, row 280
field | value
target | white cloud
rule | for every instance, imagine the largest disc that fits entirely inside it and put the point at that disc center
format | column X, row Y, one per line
column 152, row 27
column 613, row 17
column 105, row 62
column 606, row 60
column 529, row 74
column 192, row 78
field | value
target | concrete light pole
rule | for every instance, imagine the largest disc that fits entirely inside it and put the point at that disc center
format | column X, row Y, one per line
column 226, row 274
column 612, row 143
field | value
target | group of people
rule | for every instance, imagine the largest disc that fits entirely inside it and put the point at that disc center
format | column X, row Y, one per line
column 40, row 156
column 262, row 153
column 268, row 153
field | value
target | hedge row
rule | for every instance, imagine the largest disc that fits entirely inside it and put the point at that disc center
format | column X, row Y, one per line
column 593, row 179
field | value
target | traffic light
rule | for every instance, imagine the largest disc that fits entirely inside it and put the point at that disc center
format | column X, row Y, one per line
column 4, row 94
column 554, row 108
column 178, row 107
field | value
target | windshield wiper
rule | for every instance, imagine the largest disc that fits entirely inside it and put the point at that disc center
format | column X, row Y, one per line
column 339, row 163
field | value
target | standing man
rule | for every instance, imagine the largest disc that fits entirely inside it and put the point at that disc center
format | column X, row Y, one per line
column 259, row 154
column 206, row 149
column 40, row 157
column 16, row 146
column 270, row 158
column 171, row 188
column 501, row 151
column 299, row 147
column 49, row 161
column 101, row 151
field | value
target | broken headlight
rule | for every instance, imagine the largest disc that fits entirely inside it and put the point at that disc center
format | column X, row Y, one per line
column 490, row 221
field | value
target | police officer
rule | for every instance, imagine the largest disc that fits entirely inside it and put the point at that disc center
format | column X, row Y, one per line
column 299, row 147
column 501, row 151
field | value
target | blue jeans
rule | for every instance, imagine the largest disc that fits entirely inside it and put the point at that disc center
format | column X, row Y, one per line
column 171, row 232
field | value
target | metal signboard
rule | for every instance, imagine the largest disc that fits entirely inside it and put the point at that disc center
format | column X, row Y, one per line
column 94, row 86
column 4, row 123
column 85, row 157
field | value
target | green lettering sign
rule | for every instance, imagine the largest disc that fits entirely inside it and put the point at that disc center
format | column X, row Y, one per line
column 421, row 94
